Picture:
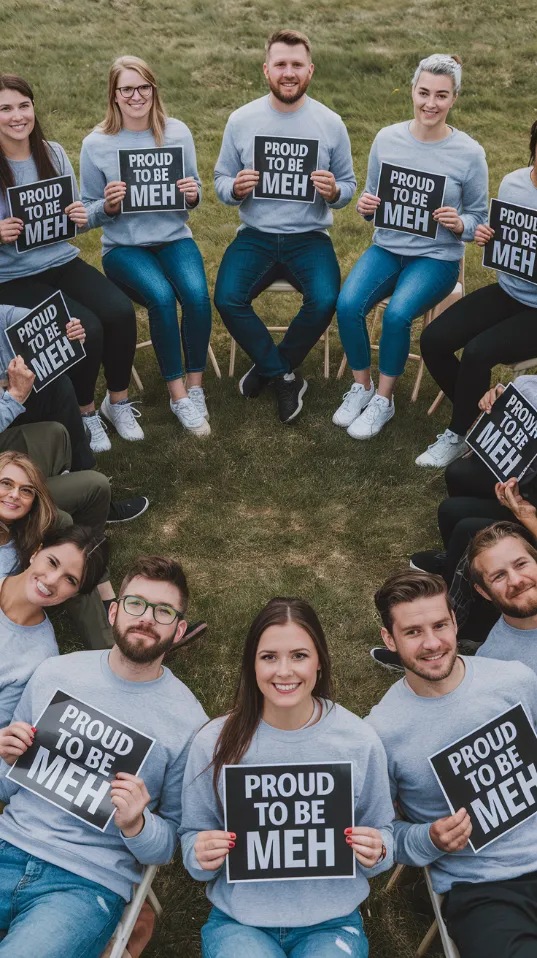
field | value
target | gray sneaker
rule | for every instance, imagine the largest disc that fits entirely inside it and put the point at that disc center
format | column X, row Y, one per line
column 190, row 416
column 197, row 395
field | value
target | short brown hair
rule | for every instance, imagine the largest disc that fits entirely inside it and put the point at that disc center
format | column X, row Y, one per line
column 158, row 569
column 489, row 537
column 407, row 586
column 292, row 37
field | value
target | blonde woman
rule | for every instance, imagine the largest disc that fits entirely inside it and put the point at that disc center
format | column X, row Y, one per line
column 151, row 256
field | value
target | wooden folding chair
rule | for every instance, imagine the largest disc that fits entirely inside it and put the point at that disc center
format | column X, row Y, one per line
column 138, row 381
column 438, row 926
column 118, row 946
column 516, row 367
column 456, row 293
column 283, row 286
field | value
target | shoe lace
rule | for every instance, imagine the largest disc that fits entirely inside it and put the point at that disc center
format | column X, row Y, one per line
column 95, row 425
column 127, row 412
column 373, row 410
column 188, row 410
column 442, row 440
column 350, row 397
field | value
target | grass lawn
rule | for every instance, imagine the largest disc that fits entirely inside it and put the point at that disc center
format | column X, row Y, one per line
column 260, row 509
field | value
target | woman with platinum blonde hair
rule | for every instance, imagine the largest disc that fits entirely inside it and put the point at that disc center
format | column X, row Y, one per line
column 416, row 271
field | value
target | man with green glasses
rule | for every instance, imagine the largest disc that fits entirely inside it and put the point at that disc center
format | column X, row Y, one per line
column 82, row 877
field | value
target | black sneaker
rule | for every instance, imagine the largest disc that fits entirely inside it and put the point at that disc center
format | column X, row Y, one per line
column 388, row 660
column 431, row 560
column 127, row 509
column 289, row 394
column 252, row 383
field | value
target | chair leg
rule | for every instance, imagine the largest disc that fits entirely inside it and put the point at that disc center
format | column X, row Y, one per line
column 138, row 382
column 215, row 365
column 395, row 876
column 341, row 369
column 327, row 353
column 232, row 353
column 428, row 940
column 417, row 384
column 434, row 406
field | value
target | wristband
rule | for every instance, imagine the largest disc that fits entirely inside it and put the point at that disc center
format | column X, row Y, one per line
column 382, row 855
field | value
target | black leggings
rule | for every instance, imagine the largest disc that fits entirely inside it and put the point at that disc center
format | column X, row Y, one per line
column 57, row 403
column 105, row 312
column 493, row 328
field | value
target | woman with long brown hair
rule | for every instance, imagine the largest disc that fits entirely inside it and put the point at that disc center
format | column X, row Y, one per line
column 284, row 712
column 27, row 512
column 106, row 314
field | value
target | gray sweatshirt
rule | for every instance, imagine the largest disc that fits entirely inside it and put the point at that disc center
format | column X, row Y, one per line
column 461, row 159
column 312, row 121
column 510, row 644
column 413, row 727
column 338, row 736
column 99, row 165
column 517, row 187
column 14, row 265
column 22, row 649
column 164, row 709
column 9, row 408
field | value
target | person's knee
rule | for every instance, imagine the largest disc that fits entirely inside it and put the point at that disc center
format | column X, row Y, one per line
column 396, row 319
column 322, row 302
column 227, row 296
column 430, row 341
column 57, row 434
column 99, row 490
column 472, row 356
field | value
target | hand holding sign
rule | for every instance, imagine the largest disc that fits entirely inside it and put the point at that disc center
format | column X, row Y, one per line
column 366, row 844
column 487, row 401
column 189, row 187
column 130, row 796
column 483, row 234
column 508, row 494
column 20, row 379
column 10, row 229
column 447, row 216
column 451, row 834
column 15, row 740
column 75, row 331
column 114, row 193
column 77, row 213
column 245, row 182
column 367, row 204
column 212, row 847
column 325, row 184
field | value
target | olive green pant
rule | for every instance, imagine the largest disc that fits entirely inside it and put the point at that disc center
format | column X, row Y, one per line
column 82, row 498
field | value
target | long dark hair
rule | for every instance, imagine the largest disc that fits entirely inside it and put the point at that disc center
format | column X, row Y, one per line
column 533, row 142
column 93, row 548
column 41, row 151
column 243, row 719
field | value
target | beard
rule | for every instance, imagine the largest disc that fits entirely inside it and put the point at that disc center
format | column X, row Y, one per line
column 412, row 666
column 291, row 98
column 135, row 650
column 515, row 611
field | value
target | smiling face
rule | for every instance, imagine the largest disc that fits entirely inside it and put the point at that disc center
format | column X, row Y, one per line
column 432, row 96
column 17, row 119
column 286, row 666
column 140, row 638
column 54, row 575
column 509, row 577
column 424, row 634
column 16, row 493
column 288, row 70
column 138, row 105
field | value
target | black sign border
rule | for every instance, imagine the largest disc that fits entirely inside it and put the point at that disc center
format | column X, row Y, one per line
column 48, row 180
column 282, row 199
column 114, row 719
column 478, row 453
column 175, row 146
column 249, row 881
column 411, row 170
column 532, row 282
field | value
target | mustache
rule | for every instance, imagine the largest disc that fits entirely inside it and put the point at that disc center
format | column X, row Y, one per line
column 145, row 630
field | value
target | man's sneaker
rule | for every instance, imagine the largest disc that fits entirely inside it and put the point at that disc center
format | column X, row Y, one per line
column 252, row 383
column 388, row 660
column 127, row 509
column 354, row 402
column 95, row 431
column 123, row 416
column 448, row 447
column 376, row 414
column 197, row 395
column 290, row 387
column 431, row 560
column 190, row 416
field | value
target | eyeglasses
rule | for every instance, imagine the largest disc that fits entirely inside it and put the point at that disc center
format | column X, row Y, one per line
column 144, row 90
column 25, row 492
column 162, row 613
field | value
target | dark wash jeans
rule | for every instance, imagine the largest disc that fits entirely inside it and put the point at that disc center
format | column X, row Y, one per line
column 251, row 263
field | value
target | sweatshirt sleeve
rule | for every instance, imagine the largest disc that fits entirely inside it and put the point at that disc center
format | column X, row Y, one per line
column 413, row 844
column 373, row 172
column 92, row 183
column 66, row 168
column 191, row 167
column 22, row 713
column 475, row 193
column 201, row 810
column 10, row 408
column 341, row 167
column 375, row 808
column 228, row 164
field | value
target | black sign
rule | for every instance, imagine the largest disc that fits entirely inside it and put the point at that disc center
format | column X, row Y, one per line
column 40, row 338
column 408, row 200
column 492, row 774
column 151, row 176
column 41, row 207
column 77, row 752
column 513, row 248
column 506, row 437
column 289, row 821
column 285, row 165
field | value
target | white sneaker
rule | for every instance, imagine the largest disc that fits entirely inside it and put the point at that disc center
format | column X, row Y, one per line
column 197, row 395
column 375, row 415
column 448, row 446
column 95, row 430
column 354, row 402
column 123, row 416
column 190, row 416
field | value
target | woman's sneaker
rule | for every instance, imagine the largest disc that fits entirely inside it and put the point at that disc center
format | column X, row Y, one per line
column 197, row 395
column 376, row 414
column 95, row 431
column 430, row 560
column 448, row 447
column 190, row 416
column 123, row 416
column 354, row 402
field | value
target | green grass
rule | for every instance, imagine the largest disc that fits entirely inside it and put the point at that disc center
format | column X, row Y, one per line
column 258, row 509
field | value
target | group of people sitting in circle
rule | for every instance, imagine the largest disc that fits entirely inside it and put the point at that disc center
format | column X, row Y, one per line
column 63, row 883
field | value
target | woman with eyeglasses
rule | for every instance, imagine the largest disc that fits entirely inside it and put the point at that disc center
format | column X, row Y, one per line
column 27, row 279
column 151, row 256
column 284, row 712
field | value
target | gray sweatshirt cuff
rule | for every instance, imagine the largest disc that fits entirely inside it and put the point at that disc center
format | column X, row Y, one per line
column 97, row 216
column 413, row 844
column 148, row 846
column 10, row 408
column 468, row 232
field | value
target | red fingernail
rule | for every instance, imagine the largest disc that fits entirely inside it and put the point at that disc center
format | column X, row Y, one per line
column 348, row 831
column 349, row 841
column 232, row 844
column 232, row 835
column 34, row 730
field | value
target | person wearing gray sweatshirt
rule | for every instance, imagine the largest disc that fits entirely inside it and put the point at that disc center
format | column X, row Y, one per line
column 286, row 162
column 81, row 877
column 415, row 270
column 489, row 903
column 151, row 254
column 494, row 324
column 284, row 713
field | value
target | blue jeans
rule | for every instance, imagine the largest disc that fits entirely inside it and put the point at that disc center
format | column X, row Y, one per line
column 223, row 937
column 48, row 911
column 415, row 284
column 156, row 277
column 251, row 263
